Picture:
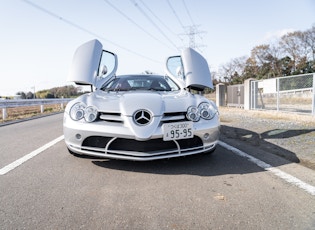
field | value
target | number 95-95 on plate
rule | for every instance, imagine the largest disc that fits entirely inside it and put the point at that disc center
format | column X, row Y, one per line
column 178, row 130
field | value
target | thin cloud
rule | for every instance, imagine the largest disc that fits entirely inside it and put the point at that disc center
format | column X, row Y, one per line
column 273, row 36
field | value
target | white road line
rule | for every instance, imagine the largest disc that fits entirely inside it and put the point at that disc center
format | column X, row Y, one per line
column 283, row 175
column 27, row 157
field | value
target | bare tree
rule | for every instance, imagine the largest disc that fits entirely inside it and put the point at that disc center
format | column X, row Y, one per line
column 267, row 58
column 309, row 39
column 293, row 53
column 260, row 54
column 232, row 69
column 292, row 45
column 251, row 69
column 275, row 57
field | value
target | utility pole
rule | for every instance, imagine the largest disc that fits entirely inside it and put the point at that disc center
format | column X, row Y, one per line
column 191, row 32
column 34, row 95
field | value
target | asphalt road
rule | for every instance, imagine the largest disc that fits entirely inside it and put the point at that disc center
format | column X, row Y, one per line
column 225, row 190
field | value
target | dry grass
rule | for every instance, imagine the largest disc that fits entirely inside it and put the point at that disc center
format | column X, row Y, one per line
column 289, row 101
column 29, row 111
column 275, row 115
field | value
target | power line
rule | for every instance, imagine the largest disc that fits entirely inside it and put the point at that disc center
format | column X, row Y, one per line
column 136, row 24
column 174, row 12
column 157, row 17
column 169, row 30
column 192, row 21
column 191, row 32
column 153, row 23
column 50, row 13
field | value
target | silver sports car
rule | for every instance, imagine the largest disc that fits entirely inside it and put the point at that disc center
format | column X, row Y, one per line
column 140, row 117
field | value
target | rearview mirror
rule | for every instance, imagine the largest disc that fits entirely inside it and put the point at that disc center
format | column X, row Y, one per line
column 174, row 66
column 103, row 70
column 179, row 71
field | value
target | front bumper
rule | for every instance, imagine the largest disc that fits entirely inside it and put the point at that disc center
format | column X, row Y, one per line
column 116, row 141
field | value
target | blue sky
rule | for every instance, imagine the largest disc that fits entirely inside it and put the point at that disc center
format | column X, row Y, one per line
column 39, row 37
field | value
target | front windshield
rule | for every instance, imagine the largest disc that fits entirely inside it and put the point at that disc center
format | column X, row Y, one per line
column 140, row 82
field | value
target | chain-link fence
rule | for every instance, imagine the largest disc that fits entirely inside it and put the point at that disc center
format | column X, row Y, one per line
column 293, row 93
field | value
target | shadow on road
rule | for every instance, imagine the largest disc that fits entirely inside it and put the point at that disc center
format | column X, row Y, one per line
column 284, row 133
column 260, row 141
column 221, row 161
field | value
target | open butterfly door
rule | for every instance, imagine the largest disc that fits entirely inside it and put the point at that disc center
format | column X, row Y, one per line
column 91, row 65
column 190, row 70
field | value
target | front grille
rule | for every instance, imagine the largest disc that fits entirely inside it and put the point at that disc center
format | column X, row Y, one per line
column 96, row 141
column 111, row 117
column 174, row 117
column 190, row 143
column 167, row 117
column 149, row 146
column 142, row 146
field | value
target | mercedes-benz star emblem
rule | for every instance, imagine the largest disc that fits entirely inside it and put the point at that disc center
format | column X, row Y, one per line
column 142, row 117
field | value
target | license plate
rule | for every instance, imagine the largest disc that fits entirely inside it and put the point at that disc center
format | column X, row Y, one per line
column 178, row 130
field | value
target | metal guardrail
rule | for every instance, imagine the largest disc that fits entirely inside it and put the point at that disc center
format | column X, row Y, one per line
column 4, row 104
column 32, row 102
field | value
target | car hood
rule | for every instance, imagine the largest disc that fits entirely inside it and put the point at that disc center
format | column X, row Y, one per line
column 126, row 103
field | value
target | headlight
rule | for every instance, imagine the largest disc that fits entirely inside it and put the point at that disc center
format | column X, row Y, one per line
column 193, row 113
column 90, row 114
column 207, row 111
column 79, row 111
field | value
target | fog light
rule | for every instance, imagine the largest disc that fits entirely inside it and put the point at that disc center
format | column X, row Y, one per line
column 78, row 136
column 206, row 136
